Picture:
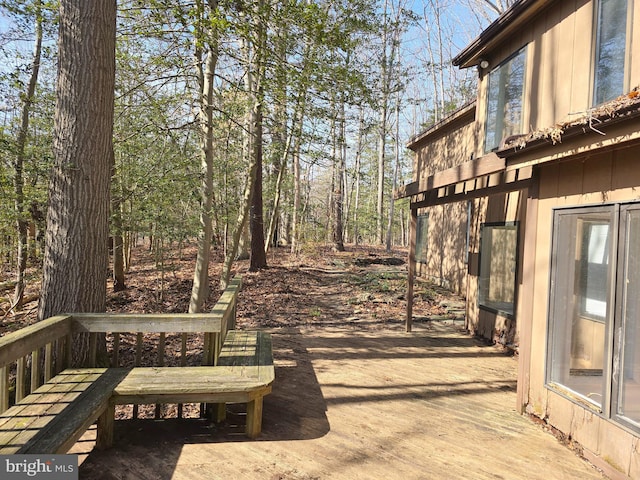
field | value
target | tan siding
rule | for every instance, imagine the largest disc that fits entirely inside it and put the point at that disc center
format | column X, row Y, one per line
column 582, row 58
column 607, row 177
column 447, row 147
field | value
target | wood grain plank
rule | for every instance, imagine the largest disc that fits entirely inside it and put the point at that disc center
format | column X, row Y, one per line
column 148, row 323
column 22, row 342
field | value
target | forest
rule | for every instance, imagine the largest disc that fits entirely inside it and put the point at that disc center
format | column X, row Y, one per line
column 239, row 126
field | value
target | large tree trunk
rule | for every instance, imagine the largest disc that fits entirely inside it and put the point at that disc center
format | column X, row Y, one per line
column 76, row 253
column 258, row 259
column 200, row 289
column 21, row 142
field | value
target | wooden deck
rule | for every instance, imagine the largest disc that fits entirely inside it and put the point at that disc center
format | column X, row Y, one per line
column 358, row 403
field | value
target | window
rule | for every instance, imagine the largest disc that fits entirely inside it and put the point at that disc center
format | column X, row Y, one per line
column 594, row 308
column 610, row 50
column 498, row 267
column 504, row 101
column 422, row 226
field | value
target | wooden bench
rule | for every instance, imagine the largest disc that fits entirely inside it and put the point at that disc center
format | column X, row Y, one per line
column 55, row 415
column 45, row 405
column 244, row 374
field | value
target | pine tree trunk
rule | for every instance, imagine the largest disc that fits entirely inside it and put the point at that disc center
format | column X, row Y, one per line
column 76, row 252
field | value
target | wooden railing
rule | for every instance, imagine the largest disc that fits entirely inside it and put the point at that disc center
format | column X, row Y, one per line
column 31, row 356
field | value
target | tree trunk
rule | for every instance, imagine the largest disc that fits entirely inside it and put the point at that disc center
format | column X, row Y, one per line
column 200, row 289
column 382, row 132
column 396, row 171
column 258, row 259
column 76, row 252
column 18, row 181
column 338, row 202
column 118, row 236
column 356, row 201
column 296, row 199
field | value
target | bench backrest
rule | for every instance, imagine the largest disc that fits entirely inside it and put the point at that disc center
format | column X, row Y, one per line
column 33, row 355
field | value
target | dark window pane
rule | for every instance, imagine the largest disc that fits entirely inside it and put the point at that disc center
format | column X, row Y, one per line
column 498, row 265
column 610, row 50
column 504, row 101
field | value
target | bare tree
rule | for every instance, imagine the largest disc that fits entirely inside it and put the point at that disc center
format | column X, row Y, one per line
column 206, row 41
column 21, row 143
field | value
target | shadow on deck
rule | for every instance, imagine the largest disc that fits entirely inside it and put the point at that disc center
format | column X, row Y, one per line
column 357, row 404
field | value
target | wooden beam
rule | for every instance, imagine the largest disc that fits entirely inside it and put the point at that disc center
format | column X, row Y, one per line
column 407, row 190
column 435, row 199
column 485, row 165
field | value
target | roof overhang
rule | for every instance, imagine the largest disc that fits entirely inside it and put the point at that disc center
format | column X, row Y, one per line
column 463, row 114
column 497, row 32
column 512, row 168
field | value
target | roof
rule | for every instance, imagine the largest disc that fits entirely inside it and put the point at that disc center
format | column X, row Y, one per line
column 451, row 119
column 505, row 25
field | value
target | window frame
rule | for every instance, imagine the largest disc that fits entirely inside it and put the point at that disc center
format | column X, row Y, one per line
column 595, row 56
column 483, row 305
column 499, row 120
column 614, row 344
column 422, row 237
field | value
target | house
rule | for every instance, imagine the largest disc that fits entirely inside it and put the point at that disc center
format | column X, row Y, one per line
column 528, row 202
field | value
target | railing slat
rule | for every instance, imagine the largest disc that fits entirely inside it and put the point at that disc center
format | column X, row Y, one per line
column 35, row 369
column 20, row 374
column 137, row 364
column 48, row 361
column 116, row 350
column 4, row 388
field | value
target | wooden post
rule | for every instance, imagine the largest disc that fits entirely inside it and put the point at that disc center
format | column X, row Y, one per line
column 412, row 267
column 524, row 313
column 105, row 427
column 254, row 418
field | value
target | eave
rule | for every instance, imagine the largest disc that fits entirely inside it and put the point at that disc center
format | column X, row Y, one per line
column 446, row 124
column 513, row 19
column 511, row 168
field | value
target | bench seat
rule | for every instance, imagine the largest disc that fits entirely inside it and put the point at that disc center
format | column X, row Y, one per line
column 55, row 415
column 244, row 374
column 143, row 385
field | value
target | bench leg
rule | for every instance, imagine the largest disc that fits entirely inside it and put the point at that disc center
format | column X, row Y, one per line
column 254, row 418
column 216, row 411
column 106, row 424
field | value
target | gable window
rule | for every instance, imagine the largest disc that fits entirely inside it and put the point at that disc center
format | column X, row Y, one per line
column 594, row 312
column 422, row 226
column 610, row 50
column 498, row 266
column 504, row 101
